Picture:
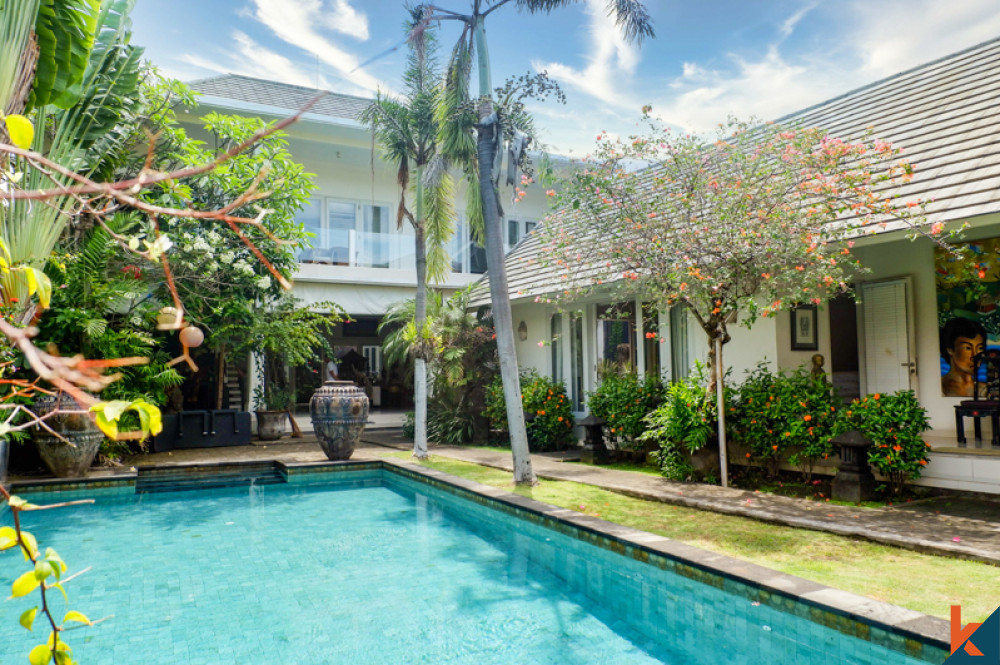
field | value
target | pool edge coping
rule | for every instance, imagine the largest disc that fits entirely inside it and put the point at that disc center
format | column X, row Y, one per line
column 894, row 619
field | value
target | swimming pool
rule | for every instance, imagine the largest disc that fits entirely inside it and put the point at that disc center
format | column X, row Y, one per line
column 389, row 565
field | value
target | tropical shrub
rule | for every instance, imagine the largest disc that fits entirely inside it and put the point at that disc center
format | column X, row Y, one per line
column 549, row 417
column 684, row 422
column 623, row 400
column 785, row 416
column 447, row 426
column 460, row 350
column 895, row 425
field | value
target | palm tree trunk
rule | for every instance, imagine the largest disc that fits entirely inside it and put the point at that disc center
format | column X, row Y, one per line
column 488, row 134
column 419, row 318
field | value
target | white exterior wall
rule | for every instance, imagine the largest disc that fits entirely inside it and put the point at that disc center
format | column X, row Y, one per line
column 529, row 354
column 339, row 155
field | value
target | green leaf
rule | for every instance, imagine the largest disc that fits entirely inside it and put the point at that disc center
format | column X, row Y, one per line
column 28, row 618
column 65, row 30
column 43, row 570
column 149, row 416
column 32, row 545
column 79, row 617
column 106, row 425
column 40, row 655
column 54, row 560
column 24, row 585
column 61, row 590
column 21, row 131
column 8, row 538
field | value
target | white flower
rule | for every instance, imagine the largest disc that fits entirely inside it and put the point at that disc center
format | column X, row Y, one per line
column 264, row 282
column 227, row 257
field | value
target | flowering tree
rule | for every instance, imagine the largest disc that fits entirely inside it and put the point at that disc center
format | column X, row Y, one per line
column 757, row 221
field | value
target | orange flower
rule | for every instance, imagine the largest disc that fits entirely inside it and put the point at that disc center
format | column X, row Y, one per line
column 774, row 447
column 876, row 395
column 748, row 455
column 807, row 417
column 560, row 418
column 923, row 462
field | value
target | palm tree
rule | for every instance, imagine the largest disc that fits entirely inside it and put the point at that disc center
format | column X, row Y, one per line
column 407, row 131
column 478, row 158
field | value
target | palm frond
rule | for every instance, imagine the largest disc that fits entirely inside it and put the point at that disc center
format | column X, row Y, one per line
column 631, row 16
column 439, row 225
column 474, row 206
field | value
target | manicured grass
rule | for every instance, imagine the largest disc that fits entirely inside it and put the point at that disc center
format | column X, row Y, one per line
column 922, row 582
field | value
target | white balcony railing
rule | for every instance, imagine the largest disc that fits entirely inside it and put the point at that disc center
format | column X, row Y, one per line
column 347, row 247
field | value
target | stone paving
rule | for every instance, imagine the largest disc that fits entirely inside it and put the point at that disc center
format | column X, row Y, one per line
column 967, row 528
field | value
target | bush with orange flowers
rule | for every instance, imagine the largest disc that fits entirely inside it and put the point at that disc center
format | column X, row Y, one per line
column 548, row 415
column 623, row 400
column 785, row 417
column 895, row 424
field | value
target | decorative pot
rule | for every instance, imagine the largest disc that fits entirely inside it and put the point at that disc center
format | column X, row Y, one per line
column 339, row 411
column 66, row 460
column 271, row 425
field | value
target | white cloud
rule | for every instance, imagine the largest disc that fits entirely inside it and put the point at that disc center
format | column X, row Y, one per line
column 788, row 27
column 612, row 63
column 297, row 23
column 347, row 20
column 252, row 59
column 895, row 35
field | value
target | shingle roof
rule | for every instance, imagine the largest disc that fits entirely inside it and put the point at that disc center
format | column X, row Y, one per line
column 944, row 114
column 282, row 96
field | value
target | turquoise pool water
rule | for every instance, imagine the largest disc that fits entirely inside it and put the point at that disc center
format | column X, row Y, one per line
column 382, row 570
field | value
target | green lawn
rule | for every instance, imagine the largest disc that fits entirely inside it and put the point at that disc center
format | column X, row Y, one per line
column 922, row 582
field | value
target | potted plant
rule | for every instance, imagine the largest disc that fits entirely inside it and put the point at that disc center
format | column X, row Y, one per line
column 273, row 407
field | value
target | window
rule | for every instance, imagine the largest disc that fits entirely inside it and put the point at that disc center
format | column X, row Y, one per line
column 517, row 229
column 311, row 219
column 347, row 233
column 680, row 356
column 576, row 360
column 616, row 326
column 374, row 244
column 340, row 218
column 557, row 348
column 651, row 345
column 513, row 231
column 373, row 357
column 456, row 249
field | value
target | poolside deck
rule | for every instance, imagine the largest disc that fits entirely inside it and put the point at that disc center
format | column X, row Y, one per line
column 967, row 527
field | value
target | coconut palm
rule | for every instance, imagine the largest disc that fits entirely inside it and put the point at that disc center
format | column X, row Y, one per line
column 406, row 131
column 472, row 136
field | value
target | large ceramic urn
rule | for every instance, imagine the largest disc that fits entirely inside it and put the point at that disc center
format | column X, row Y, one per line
column 339, row 411
column 66, row 460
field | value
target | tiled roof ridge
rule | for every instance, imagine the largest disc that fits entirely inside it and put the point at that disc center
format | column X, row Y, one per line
column 302, row 88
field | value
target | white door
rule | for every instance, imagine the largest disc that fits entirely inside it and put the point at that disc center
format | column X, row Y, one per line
column 888, row 364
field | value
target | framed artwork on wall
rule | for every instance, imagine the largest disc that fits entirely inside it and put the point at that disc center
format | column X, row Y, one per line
column 804, row 334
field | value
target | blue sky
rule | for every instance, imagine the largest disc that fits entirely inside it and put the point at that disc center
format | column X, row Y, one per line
column 709, row 59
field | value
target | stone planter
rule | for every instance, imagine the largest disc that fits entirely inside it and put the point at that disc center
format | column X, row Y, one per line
column 271, row 425
column 66, row 460
column 339, row 411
